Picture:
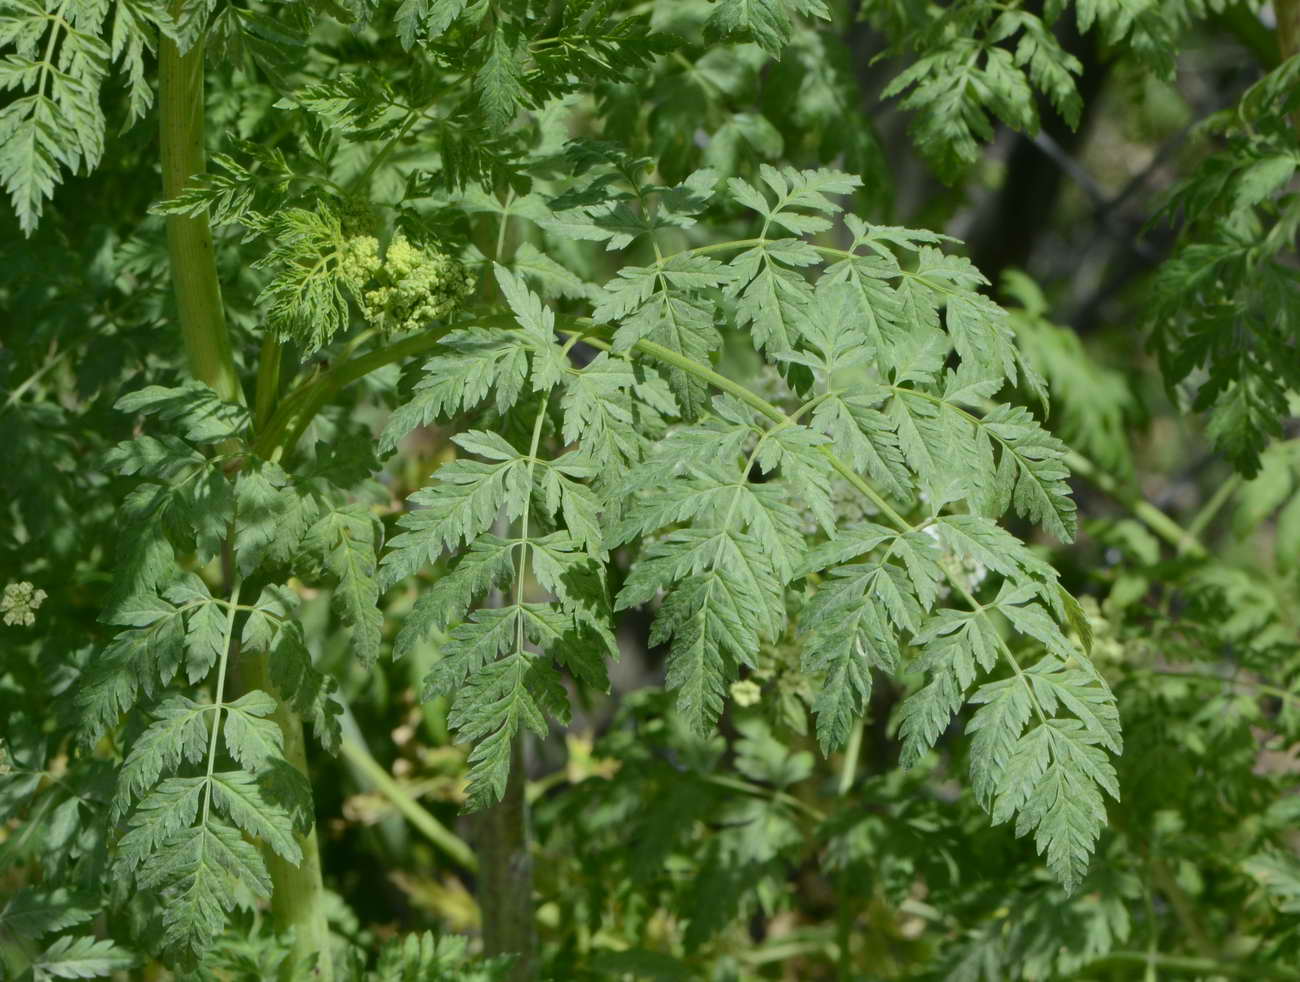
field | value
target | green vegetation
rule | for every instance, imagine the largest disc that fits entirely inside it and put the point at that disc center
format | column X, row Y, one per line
column 702, row 489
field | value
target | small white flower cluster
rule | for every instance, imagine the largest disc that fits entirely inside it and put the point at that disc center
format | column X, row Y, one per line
column 20, row 602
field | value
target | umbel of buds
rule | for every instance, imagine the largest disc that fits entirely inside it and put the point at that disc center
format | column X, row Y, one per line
column 406, row 288
column 20, row 602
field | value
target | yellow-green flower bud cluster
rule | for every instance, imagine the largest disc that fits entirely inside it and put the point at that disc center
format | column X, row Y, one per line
column 408, row 287
column 20, row 602
column 359, row 262
column 746, row 692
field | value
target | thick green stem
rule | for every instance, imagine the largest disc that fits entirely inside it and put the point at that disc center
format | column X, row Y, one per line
column 505, row 886
column 189, row 240
column 268, row 381
column 298, row 898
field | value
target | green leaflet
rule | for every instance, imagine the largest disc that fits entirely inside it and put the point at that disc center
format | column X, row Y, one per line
column 426, row 19
column 304, row 687
column 211, row 871
column 476, row 363
column 252, row 737
column 964, row 75
column 178, row 734
column 768, row 22
column 495, row 696
column 184, row 627
column 315, row 270
column 499, row 663
column 81, row 958
column 194, row 409
column 182, row 819
column 1223, row 304
column 462, row 506
column 725, row 598
column 347, row 540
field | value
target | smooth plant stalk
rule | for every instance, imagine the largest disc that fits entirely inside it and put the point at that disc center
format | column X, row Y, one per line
column 1195, row 966
column 437, row 833
column 297, row 408
column 189, row 240
column 850, row 768
column 1155, row 519
column 268, row 381
column 298, row 892
column 220, row 698
column 505, row 884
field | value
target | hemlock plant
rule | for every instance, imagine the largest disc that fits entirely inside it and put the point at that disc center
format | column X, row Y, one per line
column 505, row 339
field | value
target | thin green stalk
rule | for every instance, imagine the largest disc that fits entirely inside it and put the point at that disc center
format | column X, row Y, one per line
column 849, row 769
column 1201, row 520
column 1155, row 519
column 1196, row 966
column 20, row 390
column 504, row 227
column 433, row 830
column 390, row 830
column 361, row 181
column 759, row 791
column 219, row 699
column 298, row 408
